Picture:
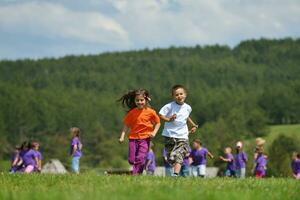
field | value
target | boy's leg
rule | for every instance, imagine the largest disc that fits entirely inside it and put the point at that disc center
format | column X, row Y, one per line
column 202, row 170
column 194, row 171
column 142, row 150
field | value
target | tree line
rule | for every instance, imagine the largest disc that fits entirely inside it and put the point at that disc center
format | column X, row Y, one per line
column 235, row 94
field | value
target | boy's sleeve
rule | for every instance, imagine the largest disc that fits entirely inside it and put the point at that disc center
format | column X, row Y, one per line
column 164, row 110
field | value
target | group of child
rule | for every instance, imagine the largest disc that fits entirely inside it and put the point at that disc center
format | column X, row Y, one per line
column 26, row 158
column 142, row 124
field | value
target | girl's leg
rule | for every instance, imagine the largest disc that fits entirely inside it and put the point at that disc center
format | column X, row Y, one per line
column 142, row 150
column 75, row 164
column 243, row 172
column 29, row 169
column 131, row 151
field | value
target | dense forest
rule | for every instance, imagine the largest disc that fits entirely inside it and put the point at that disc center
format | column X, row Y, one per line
column 235, row 94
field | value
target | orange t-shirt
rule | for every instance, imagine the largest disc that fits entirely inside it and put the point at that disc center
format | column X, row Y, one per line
column 141, row 122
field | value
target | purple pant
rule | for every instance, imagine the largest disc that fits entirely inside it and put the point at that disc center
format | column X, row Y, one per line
column 137, row 153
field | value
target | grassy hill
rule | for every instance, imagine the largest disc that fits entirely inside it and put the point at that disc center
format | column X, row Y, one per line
column 292, row 131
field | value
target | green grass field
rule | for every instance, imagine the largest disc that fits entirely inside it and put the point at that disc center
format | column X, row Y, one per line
column 92, row 186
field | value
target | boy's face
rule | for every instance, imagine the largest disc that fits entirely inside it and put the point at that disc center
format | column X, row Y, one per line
column 140, row 101
column 294, row 156
column 196, row 145
column 227, row 150
column 179, row 95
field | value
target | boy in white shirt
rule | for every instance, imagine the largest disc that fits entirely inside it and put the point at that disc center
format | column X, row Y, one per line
column 176, row 115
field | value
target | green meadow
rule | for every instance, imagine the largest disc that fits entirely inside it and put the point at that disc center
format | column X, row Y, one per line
column 93, row 186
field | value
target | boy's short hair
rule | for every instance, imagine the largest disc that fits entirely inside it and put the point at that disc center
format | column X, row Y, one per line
column 175, row 87
column 198, row 141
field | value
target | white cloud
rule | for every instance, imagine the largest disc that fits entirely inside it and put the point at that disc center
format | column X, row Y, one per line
column 56, row 21
column 135, row 24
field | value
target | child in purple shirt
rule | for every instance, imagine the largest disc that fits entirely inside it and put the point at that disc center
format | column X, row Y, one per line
column 230, row 169
column 185, row 167
column 75, row 149
column 296, row 165
column 198, row 160
column 260, row 164
column 29, row 158
column 241, row 159
column 35, row 147
column 168, row 168
column 150, row 161
column 15, row 160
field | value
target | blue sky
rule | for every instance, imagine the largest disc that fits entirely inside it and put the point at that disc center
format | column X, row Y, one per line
column 53, row 28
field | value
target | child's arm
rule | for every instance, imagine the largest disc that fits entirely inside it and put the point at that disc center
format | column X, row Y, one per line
column 148, row 164
column 123, row 133
column 168, row 119
column 225, row 159
column 210, row 155
column 36, row 161
column 15, row 162
column 156, row 128
column 74, row 149
column 192, row 123
column 40, row 164
column 190, row 160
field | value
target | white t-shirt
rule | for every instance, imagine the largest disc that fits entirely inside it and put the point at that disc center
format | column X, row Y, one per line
column 177, row 128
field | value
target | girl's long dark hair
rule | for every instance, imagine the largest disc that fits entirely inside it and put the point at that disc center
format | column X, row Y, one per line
column 128, row 99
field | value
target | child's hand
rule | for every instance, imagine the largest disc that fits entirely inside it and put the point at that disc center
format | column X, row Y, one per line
column 193, row 130
column 172, row 118
column 221, row 157
column 152, row 135
column 121, row 140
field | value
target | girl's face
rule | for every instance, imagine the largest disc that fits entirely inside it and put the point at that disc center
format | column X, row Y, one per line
column 179, row 95
column 140, row 101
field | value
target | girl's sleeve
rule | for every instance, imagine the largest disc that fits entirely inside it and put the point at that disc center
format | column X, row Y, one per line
column 156, row 118
column 127, row 119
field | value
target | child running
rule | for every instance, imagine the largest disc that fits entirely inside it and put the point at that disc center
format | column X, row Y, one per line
column 260, row 164
column 75, row 149
column 150, row 161
column 296, row 165
column 229, row 159
column 176, row 115
column 241, row 160
column 142, row 123
column 198, row 159
column 35, row 147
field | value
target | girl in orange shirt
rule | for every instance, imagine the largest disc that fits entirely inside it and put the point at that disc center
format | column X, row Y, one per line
column 142, row 123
